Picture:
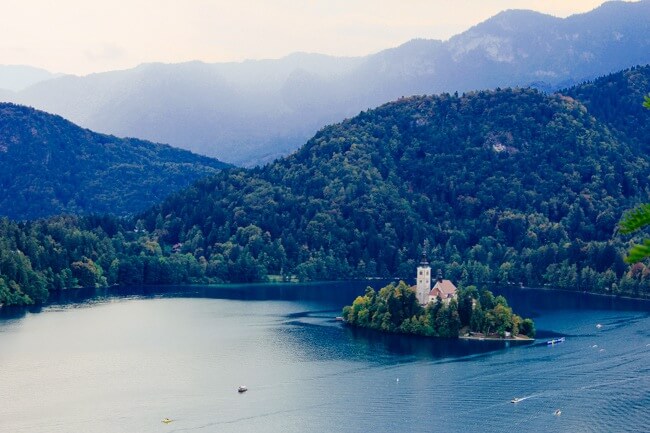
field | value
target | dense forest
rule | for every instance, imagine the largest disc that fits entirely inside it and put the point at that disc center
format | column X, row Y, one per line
column 67, row 252
column 509, row 186
column 49, row 166
column 616, row 100
column 395, row 308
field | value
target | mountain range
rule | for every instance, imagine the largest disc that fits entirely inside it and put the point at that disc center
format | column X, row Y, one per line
column 50, row 166
column 506, row 186
column 14, row 78
column 252, row 112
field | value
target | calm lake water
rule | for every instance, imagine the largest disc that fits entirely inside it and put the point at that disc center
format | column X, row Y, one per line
column 121, row 360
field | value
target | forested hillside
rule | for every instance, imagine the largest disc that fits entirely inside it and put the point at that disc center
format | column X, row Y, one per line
column 615, row 101
column 50, row 166
column 507, row 187
column 37, row 257
column 510, row 186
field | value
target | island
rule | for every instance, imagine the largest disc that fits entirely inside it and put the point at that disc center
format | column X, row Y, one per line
column 442, row 311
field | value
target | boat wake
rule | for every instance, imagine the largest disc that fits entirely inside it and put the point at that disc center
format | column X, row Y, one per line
column 520, row 399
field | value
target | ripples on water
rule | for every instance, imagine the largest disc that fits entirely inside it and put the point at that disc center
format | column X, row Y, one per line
column 120, row 361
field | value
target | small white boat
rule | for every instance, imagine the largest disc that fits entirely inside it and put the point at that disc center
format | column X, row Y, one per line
column 599, row 326
column 516, row 400
column 166, row 420
column 556, row 340
column 242, row 388
column 557, row 412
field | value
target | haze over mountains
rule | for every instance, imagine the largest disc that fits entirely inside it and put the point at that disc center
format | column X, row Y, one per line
column 252, row 112
column 508, row 185
column 14, row 78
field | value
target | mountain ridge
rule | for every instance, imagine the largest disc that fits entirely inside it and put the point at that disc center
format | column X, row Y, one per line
column 14, row 78
column 50, row 166
column 507, row 185
column 501, row 187
column 252, row 112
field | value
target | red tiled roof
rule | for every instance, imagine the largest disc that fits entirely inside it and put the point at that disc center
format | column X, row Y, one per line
column 444, row 289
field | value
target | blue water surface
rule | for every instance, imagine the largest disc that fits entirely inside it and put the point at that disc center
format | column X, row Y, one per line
column 120, row 360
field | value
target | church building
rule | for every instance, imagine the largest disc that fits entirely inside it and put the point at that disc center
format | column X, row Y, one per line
column 442, row 288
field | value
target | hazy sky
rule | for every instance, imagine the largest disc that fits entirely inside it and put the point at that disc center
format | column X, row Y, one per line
column 84, row 36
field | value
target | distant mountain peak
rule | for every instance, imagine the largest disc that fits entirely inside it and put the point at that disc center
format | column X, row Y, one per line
column 19, row 77
column 247, row 112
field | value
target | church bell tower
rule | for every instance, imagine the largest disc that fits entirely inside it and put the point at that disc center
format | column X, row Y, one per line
column 423, row 278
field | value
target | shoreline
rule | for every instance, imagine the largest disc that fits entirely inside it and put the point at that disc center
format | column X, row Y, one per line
column 584, row 292
column 491, row 338
column 368, row 279
column 460, row 337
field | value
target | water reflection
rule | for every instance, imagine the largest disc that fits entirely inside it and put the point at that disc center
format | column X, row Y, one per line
column 527, row 302
column 10, row 314
column 126, row 364
column 423, row 347
column 318, row 337
column 321, row 291
column 531, row 301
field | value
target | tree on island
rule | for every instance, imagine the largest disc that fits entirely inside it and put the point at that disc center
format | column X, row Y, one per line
column 395, row 309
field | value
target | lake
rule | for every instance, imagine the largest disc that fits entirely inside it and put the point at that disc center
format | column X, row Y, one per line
column 121, row 360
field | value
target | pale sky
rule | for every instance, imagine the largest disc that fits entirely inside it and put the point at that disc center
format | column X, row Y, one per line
column 85, row 36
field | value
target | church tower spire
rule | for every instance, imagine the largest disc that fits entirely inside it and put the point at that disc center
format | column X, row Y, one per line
column 423, row 278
